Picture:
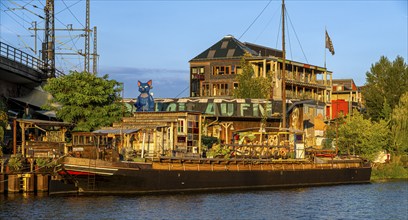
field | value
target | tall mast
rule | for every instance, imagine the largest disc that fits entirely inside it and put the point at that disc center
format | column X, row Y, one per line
column 283, row 68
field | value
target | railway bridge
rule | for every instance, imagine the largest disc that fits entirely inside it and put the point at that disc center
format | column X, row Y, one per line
column 20, row 72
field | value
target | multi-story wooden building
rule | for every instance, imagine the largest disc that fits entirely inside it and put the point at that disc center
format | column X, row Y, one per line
column 213, row 80
column 213, row 72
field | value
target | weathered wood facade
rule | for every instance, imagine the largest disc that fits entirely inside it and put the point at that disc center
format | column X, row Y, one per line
column 213, row 72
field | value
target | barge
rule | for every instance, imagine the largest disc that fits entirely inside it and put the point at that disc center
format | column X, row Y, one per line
column 172, row 174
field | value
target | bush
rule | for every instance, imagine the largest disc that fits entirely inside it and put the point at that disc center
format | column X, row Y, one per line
column 392, row 170
column 15, row 163
column 208, row 141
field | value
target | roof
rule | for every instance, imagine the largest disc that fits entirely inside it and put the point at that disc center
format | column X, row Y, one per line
column 264, row 51
column 227, row 47
column 43, row 122
column 37, row 97
column 115, row 131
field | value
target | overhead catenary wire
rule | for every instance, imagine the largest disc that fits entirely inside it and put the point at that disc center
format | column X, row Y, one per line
column 72, row 13
column 22, row 7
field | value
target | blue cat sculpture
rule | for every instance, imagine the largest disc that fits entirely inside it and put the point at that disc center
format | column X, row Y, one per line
column 145, row 101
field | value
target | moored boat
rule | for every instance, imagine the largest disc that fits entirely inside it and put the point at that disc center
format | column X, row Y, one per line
column 173, row 174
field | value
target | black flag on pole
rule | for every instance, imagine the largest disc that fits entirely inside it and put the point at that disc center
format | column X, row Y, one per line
column 329, row 44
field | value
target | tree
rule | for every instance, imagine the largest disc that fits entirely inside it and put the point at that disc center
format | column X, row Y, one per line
column 399, row 126
column 86, row 100
column 386, row 82
column 362, row 136
column 3, row 121
column 250, row 86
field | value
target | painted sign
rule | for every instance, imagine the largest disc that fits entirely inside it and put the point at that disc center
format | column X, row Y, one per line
column 222, row 107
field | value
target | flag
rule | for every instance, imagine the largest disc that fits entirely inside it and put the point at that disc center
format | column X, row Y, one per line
column 329, row 44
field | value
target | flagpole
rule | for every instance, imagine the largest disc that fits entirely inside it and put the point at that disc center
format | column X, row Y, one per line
column 325, row 46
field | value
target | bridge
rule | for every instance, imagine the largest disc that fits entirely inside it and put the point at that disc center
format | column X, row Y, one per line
column 19, row 69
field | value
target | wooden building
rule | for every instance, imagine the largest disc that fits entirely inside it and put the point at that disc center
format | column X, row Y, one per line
column 146, row 134
column 40, row 138
column 213, row 72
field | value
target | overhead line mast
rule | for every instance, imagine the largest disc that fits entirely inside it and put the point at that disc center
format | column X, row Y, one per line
column 48, row 48
column 87, row 38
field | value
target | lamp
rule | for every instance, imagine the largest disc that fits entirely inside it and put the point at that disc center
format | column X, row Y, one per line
column 8, row 127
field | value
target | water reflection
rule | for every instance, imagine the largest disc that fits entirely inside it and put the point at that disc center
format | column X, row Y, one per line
column 366, row 201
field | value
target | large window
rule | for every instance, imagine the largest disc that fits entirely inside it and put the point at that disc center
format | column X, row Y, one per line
column 224, row 70
column 197, row 72
column 221, row 89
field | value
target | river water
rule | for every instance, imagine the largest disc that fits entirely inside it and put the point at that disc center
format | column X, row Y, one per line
column 379, row 200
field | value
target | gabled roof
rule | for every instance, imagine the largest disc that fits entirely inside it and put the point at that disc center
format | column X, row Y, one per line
column 227, row 47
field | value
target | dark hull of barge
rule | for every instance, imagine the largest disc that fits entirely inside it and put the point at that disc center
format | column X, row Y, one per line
column 147, row 180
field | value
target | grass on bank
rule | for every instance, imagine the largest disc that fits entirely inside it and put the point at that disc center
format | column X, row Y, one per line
column 397, row 168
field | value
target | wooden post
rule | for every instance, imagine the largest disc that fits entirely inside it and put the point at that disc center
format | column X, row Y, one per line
column 42, row 182
column 23, row 141
column 14, row 136
column 13, row 183
column 1, row 182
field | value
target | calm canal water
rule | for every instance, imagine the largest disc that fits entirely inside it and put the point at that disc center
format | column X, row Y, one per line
column 381, row 200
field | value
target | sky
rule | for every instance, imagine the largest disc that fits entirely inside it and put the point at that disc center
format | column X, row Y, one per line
column 143, row 40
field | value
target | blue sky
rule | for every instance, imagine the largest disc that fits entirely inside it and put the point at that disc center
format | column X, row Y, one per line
column 143, row 40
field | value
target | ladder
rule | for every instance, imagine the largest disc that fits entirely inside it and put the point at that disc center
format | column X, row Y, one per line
column 91, row 175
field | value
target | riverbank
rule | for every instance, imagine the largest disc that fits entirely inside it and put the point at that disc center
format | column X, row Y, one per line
column 395, row 169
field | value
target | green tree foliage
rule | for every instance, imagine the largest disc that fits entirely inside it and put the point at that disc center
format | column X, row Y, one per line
column 362, row 136
column 399, row 126
column 250, row 86
column 386, row 82
column 3, row 121
column 86, row 100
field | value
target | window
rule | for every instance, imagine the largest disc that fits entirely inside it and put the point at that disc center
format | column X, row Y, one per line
column 221, row 89
column 224, row 70
column 181, row 128
column 197, row 73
